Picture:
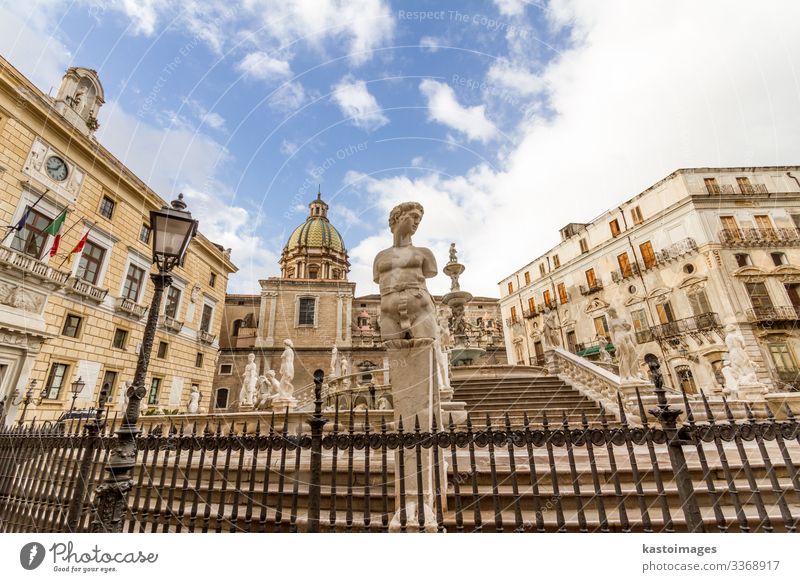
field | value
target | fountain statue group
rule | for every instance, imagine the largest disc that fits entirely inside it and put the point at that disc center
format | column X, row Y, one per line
column 267, row 390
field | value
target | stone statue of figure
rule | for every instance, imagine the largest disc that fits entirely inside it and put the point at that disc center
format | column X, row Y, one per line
column 731, row 384
column 742, row 367
column 272, row 381
column 344, row 366
column 604, row 355
column 445, row 338
column 285, row 387
column 453, row 253
column 248, row 392
column 407, row 309
column 625, row 344
column 550, row 333
column 336, row 370
column 194, row 400
column 265, row 390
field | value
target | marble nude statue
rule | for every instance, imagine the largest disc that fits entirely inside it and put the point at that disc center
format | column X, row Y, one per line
column 625, row 345
column 550, row 333
column 287, row 370
column 741, row 366
column 407, row 309
column 248, row 392
column 335, row 369
column 194, row 400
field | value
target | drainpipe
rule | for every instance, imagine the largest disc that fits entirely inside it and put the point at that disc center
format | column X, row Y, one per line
column 522, row 316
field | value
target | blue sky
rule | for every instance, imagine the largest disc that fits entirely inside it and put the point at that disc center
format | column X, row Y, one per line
column 506, row 119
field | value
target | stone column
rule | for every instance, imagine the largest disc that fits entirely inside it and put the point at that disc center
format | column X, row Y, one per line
column 415, row 394
column 339, row 301
column 269, row 303
column 347, row 336
column 262, row 319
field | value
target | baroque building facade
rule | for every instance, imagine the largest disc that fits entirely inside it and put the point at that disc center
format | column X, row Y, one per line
column 700, row 250
column 70, row 315
column 314, row 305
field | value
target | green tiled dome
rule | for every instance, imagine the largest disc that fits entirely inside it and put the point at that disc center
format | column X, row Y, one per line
column 316, row 231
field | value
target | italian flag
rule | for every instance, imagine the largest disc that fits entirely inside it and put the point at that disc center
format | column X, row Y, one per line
column 54, row 229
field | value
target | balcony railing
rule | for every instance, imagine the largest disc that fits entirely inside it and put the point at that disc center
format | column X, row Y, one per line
column 589, row 289
column 676, row 250
column 644, row 335
column 618, row 275
column 743, row 189
column 205, row 338
column 11, row 259
column 171, row 324
column 702, row 322
column 767, row 315
column 86, row 289
column 759, row 236
column 530, row 313
column 130, row 307
column 512, row 321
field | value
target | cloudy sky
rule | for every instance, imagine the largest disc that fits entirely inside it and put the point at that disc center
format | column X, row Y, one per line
column 506, row 120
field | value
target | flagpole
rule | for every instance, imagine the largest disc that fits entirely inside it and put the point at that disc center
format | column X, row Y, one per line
column 73, row 250
column 55, row 236
column 17, row 227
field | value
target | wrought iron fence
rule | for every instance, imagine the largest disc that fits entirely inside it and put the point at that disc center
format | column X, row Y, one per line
column 547, row 475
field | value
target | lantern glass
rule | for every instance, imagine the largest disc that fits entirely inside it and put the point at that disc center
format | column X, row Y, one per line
column 77, row 386
column 171, row 234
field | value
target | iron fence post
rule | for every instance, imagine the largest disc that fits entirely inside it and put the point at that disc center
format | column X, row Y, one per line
column 668, row 416
column 317, row 421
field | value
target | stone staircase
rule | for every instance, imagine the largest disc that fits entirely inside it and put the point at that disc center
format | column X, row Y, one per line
column 517, row 395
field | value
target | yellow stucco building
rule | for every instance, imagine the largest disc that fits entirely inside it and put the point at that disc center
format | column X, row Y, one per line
column 61, row 319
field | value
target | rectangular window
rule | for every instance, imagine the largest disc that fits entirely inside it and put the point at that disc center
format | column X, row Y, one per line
column 591, row 279
column 527, row 278
column 155, row 384
column 796, row 220
column 584, row 246
column 744, row 185
column 665, row 314
column 711, row 185
column 624, row 265
column 698, row 302
column 133, row 283
column 648, row 256
column 562, row 293
column 783, row 358
column 636, row 214
column 513, row 314
column 110, row 378
column 226, row 369
column 107, row 207
column 601, row 326
column 531, row 305
column 198, row 360
column 205, row 320
column 72, row 325
column 547, row 299
column 779, row 259
column 510, row 287
column 614, row 226
column 306, row 311
column 162, row 350
column 730, row 227
column 764, row 225
column 759, row 296
column 31, row 238
column 120, row 338
column 55, row 380
column 144, row 234
column 90, row 263
column 171, row 305
column 556, row 262
column 212, row 280
column 541, row 269
column 639, row 319
column 742, row 259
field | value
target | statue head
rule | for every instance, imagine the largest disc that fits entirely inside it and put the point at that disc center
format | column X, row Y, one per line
column 406, row 216
column 270, row 373
column 288, row 343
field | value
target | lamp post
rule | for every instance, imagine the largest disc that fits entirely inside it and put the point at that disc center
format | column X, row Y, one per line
column 28, row 399
column 173, row 229
column 77, row 388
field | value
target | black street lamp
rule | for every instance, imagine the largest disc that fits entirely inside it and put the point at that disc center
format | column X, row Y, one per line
column 173, row 229
column 28, row 399
column 77, row 387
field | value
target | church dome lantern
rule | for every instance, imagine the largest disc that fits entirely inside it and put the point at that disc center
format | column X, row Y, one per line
column 315, row 249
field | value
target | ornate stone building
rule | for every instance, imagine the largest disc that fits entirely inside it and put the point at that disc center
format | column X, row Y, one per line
column 699, row 250
column 314, row 305
column 62, row 319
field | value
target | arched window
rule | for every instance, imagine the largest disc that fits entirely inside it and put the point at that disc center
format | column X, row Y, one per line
column 221, row 400
column 237, row 324
column 685, row 379
column 313, row 271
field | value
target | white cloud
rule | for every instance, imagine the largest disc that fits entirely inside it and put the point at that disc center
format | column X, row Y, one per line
column 144, row 14
column 358, row 104
column 514, row 78
column 643, row 90
column 287, row 97
column 430, row 42
column 417, row 161
column 260, row 65
column 288, row 148
column 511, row 7
column 444, row 108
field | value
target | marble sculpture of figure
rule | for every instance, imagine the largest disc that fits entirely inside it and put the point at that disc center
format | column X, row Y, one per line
column 407, row 309
column 265, row 391
column 453, row 253
column 550, row 331
column 194, row 400
column 625, row 344
column 335, row 372
column 287, row 370
column 274, row 384
column 731, row 384
column 742, row 367
column 248, row 391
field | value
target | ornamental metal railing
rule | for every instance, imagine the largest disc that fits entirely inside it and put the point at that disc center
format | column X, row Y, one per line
column 773, row 313
column 346, row 475
column 696, row 323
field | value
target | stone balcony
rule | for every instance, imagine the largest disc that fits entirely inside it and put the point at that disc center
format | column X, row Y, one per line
column 759, row 237
column 619, row 275
column 205, row 338
column 86, row 290
column 702, row 324
column 170, row 324
column 130, row 308
column 27, row 267
column 774, row 316
column 591, row 289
